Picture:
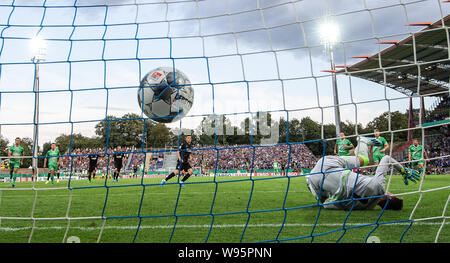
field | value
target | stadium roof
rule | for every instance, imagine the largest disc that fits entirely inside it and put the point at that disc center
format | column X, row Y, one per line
column 403, row 65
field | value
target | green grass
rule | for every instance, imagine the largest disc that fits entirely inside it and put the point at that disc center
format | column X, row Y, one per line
column 228, row 204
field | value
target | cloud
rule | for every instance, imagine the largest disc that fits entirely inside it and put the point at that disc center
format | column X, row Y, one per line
column 295, row 24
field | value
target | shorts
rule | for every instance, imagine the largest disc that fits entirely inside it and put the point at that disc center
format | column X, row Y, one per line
column 92, row 168
column 118, row 167
column 183, row 166
column 53, row 167
column 377, row 157
column 14, row 164
column 414, row 163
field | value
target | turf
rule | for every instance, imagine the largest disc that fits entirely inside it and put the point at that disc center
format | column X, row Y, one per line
column 224, row 209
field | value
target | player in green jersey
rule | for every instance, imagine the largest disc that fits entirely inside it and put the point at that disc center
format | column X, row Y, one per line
column 343, row 146
column 14, row 163
column 53, row 161
column 378, row 152
column 415, row 155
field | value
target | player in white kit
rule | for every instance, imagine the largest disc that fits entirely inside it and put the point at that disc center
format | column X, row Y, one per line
column 333, row 182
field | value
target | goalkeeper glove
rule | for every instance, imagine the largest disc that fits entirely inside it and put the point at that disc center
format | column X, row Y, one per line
column 374, row 141
column 410, row 174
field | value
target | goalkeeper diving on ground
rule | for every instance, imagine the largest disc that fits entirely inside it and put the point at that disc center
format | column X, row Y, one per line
column 333, row 182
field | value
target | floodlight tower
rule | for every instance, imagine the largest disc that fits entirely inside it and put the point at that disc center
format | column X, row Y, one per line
column 329, row 34
column 39, row 50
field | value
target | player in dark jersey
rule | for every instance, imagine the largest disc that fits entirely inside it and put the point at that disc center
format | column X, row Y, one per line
column 118, row 161
column 135, row 169
column 93, row 158
column 183, row 162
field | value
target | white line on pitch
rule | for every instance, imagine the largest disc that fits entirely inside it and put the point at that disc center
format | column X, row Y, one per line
column 10, row 229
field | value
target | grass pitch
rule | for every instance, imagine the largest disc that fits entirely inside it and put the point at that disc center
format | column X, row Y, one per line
column 227, row 209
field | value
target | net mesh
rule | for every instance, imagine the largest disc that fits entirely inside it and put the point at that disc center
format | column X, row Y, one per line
column 258, row 64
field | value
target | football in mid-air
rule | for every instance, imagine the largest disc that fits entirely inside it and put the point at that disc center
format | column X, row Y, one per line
column 165, row 95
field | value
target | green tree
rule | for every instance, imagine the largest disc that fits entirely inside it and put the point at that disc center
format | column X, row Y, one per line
column 27, row 144
column 312, row 131
column 127, row 130
column 398, row 121
column 4, row 146
column 159, row 135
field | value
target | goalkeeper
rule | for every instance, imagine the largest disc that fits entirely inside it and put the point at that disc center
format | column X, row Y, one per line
column 332, row 180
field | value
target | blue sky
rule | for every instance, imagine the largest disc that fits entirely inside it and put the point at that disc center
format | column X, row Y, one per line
column 273, row 46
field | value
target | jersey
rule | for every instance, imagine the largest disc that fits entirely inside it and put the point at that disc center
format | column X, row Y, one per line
column 15, row 151
column 184, row 151
column 376, row 149
column 341, row 150
column 275, row 166
column 93, row 160
column 333, row 181
column 118, row 160
column 416, row 152
column 52, row 160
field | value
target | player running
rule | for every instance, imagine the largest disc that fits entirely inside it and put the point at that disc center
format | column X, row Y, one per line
column 93, row 158
column 333, row 182
column 379, row 151
column 415, row 155
column 14, row 163
column 183, row 162
column 118, row 162
column 53, row 161
column 343, row 146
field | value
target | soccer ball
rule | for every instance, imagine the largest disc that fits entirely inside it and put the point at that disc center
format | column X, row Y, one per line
column 164, row 95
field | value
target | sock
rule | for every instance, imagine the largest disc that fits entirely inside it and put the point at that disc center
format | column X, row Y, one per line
column 14, row 178
column 11, row 172
column 186, row 177
column 48, row 176
column 53, row 177
column 170, row 176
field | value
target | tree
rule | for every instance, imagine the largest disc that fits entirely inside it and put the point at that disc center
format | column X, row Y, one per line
column 27, row 144
column 4, row 146
column 127, row 130
column 77, row 140
column 159, row 135
column 398, row 121
column 311, row 132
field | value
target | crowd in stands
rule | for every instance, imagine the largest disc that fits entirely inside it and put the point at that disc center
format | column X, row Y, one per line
column 441, row 111
column 237, row 157
column 241, row 157
column 245, row 157
column 438, row 146
column 81, row 159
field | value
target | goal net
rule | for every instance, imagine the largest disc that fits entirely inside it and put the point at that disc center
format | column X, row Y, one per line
column 277, row 86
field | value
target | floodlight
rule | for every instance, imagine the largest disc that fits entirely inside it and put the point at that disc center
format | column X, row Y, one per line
column 38, row 48
column 329, row 33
